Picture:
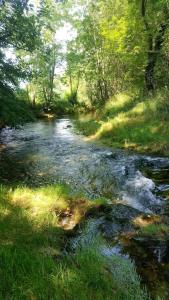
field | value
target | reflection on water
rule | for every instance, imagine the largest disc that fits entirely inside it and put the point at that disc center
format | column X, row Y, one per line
column 50, row 151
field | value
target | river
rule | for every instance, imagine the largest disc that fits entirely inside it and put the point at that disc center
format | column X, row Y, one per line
column 47, row 152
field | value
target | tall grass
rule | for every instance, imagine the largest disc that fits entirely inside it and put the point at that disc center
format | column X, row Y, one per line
column 32, row 265
column 130, row 121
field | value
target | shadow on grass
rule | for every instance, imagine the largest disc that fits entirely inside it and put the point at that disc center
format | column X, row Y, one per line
column 32, row 266
column 120, row 103
column 27, row 252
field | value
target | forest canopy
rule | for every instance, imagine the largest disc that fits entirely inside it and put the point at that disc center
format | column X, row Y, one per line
column 105, row 47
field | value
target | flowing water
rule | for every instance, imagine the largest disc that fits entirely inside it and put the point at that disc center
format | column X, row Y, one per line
column 48, row 152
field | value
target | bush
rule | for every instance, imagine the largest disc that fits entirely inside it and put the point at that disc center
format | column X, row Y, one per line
column 14, row 110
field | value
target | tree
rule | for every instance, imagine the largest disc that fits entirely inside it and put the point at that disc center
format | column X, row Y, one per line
column 155, row 38
column 44, row 60
column 18, row 30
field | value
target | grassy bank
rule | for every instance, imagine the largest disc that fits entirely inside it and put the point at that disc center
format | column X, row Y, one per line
column 132, row 122
column 14, row 110
column 33, row 231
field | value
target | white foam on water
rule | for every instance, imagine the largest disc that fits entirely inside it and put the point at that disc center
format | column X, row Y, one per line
column 140, row 183
column 138, row 192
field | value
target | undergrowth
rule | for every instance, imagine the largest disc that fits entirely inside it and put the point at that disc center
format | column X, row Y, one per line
column 14, row 110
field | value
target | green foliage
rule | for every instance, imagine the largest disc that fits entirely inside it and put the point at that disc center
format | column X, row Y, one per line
column 14, row 109
column 19, row 25
column 113, row 48
column 122, row 45
column 18, row 31
column 71, row 97
column 62, row 107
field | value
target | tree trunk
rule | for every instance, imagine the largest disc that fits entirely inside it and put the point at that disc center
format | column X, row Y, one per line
column 149, row 70
column 45, row 96
column 154, row 47
column 52, row 75
column 27, row 94
column 101, row 91
column 106, row 93
column 153, row 53
column 34, row 100
column 71, row 84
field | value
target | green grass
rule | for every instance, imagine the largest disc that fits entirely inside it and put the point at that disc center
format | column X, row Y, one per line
column 132, row 122
column 152, row 226
column 14, row 110
column 91, row 276
column 155, row 230
column 32, row 236
column 89, row 127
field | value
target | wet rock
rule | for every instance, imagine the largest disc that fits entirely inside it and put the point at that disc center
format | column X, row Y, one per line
column 118, row 220
column 155, row 247
column 98, row 211
column 111, row 155
column 123, row 212
column 110, row 230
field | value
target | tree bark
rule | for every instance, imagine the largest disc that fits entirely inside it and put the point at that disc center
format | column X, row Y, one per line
column 154, row 47
column 34, row 100
column 52, row 75
column 45, row 95
column 70, row 82
column 153, row 53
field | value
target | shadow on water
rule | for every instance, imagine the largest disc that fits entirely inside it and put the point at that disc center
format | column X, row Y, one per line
column 44, row 153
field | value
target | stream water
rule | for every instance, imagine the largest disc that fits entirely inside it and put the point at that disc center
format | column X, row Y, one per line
column 134, row 185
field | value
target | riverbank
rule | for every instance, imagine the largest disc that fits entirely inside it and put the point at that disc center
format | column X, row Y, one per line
column 14, row 111
column 35, row 228
column 131, row 122
column 129, row 222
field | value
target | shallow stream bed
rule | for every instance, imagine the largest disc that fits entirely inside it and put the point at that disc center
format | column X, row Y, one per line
column 136, row 188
